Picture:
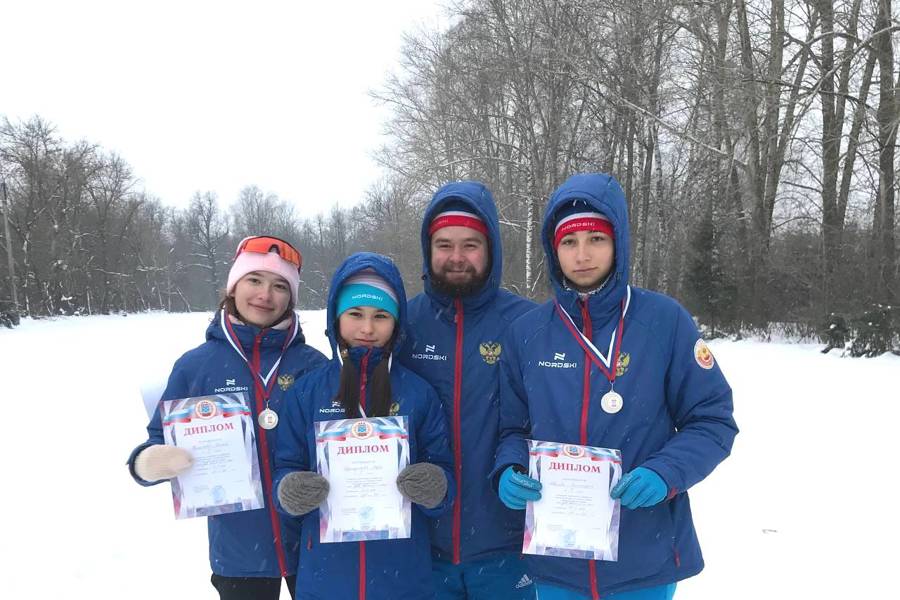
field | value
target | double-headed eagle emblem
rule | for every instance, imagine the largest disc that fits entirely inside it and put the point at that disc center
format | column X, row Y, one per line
column 490, row 352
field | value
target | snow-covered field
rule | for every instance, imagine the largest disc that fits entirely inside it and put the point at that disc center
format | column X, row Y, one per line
column 804, row 508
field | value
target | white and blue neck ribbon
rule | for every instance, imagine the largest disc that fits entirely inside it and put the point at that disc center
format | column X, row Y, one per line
column 236, row 344
column 607, row 359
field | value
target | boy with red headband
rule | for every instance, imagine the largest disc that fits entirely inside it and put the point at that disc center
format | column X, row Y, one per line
column 608, row 365
column 254, row 345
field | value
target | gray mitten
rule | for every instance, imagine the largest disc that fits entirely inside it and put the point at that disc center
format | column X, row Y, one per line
column 302, row 491
column 423, row 483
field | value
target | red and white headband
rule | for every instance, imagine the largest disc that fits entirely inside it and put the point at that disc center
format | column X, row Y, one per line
column 457, row 218
column 583, row 221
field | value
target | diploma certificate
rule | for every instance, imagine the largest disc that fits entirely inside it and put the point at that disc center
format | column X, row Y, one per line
column 219, row 433
column 361, row 459
column 575, row 516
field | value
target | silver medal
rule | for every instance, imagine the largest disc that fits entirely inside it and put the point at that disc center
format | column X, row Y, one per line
column 268, row 419
column 611, row 402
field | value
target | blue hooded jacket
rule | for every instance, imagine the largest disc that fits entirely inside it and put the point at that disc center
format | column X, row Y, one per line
column 676, row 417
column 374, row 569
column 243, row 544
column 454, row 344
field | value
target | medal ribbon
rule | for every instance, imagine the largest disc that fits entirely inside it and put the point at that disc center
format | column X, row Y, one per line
column 590, row 350
column 263, row 385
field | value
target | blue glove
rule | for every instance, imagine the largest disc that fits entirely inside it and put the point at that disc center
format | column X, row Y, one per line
column 516, row 489
column 640, row 488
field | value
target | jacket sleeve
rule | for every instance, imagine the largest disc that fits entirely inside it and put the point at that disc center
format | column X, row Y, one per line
column 433, row 442
column 177, row 387
column 291, row 449
column 515, row 421
column 699, row 400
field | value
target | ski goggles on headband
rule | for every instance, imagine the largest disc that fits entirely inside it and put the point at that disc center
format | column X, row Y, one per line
column 266, row 243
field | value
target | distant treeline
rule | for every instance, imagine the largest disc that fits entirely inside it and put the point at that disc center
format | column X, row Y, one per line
column 755, row 142
column 84, row 241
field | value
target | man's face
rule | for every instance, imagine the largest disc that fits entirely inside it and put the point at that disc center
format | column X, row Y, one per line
column 459, row 260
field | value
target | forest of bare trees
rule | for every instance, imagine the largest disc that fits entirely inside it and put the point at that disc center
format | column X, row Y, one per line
column 755, row 141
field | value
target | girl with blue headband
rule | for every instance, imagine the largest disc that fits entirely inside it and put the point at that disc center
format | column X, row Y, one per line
column 366, row 312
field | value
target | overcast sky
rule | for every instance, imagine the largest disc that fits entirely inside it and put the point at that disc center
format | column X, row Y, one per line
column 202, row 95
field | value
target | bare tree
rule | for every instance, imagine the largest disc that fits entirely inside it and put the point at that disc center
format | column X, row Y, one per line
column 884, row 245
column 209, row 232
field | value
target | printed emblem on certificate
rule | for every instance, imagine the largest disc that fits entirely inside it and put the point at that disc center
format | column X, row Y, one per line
column 575, row 517
column 219, row 433
column 361, row 459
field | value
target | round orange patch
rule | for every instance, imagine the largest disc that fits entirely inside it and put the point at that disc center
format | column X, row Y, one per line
column 703, row 355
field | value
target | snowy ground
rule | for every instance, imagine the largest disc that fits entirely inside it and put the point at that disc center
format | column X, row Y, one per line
column 802, row 509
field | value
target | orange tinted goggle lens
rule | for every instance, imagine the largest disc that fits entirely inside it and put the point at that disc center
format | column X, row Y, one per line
column 264, row 245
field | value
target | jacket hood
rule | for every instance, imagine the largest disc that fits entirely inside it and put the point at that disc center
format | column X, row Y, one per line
column 386, row 269
column 478, row 198
column 602, row 193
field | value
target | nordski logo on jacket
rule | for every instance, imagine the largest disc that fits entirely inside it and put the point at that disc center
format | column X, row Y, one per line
column 335, row 408
column 559, row 362
column 231, row 386
column 429, row 354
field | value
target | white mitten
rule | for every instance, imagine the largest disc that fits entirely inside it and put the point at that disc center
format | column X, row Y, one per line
column 162, row 462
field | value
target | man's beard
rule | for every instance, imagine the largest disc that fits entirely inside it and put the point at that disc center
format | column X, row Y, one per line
column 473, row 285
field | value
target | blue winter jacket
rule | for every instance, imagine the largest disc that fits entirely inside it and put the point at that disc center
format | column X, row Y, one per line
column 454, row 344
column 374, row 569
column 676, row 417
column 243, row 544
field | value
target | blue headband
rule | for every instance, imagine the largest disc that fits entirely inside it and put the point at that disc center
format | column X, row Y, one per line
column 365, row 294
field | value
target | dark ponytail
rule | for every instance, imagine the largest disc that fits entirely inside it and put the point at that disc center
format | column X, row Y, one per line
column 379, row 384
column 380, row 397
